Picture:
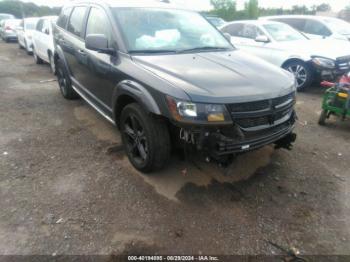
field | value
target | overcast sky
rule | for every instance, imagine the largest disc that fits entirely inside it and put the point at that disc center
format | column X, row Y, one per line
column 205, row 4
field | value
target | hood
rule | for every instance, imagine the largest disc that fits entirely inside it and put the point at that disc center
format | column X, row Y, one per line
column 220, row 77
column 330, row 48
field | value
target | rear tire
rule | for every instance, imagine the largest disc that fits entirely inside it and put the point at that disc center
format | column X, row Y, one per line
column 302, row 72
column 27, row 50
column 146, row 140
column 52, row 64
column 323, row 117
column 64, row 82
column 37, row 59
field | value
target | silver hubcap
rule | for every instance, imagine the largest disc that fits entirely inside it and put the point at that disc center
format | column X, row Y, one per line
column 300, row 74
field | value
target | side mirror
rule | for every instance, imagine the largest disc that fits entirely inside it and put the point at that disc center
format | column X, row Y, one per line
column 227, row 36
column 99, row 43
column 47, row 31
column 262, row 39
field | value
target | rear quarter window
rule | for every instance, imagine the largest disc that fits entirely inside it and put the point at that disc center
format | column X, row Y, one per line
column 316, row 28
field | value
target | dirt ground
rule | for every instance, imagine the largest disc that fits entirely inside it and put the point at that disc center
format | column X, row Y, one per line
column 67, row 188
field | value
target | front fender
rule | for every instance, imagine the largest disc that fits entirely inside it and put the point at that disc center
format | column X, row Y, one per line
column 138, row 93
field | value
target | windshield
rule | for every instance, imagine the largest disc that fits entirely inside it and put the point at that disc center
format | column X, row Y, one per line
column 283, row 32
column 337, row 25
column 216, row 21
column 168, row 30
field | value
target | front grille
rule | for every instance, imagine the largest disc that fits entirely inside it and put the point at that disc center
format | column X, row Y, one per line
column 250, row 106
column 262, row 114
column 261, row 104
column 283, row 99
column 343, row 63
column 253, row 121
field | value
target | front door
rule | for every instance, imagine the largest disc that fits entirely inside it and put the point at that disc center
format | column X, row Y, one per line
column 97, row 78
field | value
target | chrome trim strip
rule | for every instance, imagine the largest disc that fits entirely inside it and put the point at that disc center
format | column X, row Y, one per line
column 93, row 105
column 285, row 103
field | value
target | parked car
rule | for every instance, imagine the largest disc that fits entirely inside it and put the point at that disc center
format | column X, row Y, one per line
column 43, row 46
column 25, row 33
column 8, row 29
column 168, row 78
column 215, row 20
column 282, row 45
column 316, row 26
column 4, row 16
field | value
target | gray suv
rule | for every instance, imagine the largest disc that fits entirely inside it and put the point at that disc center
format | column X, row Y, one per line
column 167, row 78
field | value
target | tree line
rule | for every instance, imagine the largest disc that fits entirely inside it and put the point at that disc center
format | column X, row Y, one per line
column 227, row 9
column 23, row 9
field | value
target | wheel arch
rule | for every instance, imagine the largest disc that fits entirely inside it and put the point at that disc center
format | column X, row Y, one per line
column 59, row 55
column 127, row 92
column 49, row 52
column 293, row 59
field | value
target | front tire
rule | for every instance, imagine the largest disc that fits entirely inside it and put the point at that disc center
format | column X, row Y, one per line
column 302, row 72
column 64, row 82
column 146, row 140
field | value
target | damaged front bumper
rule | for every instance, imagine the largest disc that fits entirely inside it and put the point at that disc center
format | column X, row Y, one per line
column 255, row 124
column 218, row 145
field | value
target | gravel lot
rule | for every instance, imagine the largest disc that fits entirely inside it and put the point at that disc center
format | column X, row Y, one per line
column 67, row 188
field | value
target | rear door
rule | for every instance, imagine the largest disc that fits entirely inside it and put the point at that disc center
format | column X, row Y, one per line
column 20, row 33
column 37, row 37
column 74, row 45
column 45, row 39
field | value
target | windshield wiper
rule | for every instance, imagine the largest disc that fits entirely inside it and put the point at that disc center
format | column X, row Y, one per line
column 146, row 51
column 203, row 48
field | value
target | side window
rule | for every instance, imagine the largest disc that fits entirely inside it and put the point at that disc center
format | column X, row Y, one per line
column 316, row 28
column 249, row 31
column 63, row 19
column 39, row 25
column 233, row 30
column 296, row 23
column 98, row 24
column 76, row 21
column 46, row 27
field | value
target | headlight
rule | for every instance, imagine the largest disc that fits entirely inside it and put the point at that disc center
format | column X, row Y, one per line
column 324, row 62
column 186, row 111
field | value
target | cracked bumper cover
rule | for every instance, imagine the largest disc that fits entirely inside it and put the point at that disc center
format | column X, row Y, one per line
column 218, row 144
